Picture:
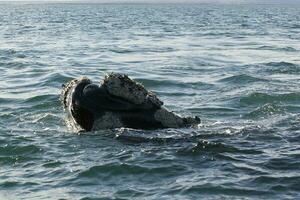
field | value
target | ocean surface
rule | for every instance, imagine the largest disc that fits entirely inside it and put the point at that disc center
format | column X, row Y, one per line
column 237, row 67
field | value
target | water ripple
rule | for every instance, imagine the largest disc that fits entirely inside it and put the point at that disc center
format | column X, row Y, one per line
column 234, row 66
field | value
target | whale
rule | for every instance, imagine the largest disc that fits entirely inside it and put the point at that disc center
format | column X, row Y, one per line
column 117, row 102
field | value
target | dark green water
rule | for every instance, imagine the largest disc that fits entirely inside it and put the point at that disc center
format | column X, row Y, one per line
column 237, row 67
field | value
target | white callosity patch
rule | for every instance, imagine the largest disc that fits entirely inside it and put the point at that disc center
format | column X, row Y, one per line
column 168, row 119
column 66, row 98
column 193, row 122
column 108, row 121
column 70, row 121
column 121, row 85
column 151, row 97
column 68, row 88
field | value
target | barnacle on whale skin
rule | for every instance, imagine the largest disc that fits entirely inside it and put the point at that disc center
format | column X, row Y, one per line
column 121, row 85
column 66, row 91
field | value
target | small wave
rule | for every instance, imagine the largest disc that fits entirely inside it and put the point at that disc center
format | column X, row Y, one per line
column 55, row 79
column 41, row 102
column 8, row 100
column 212, row 109
column 288, row 182
column 280, row 64
column 209, row 188
column 161, row 50
column 263, row 98
column 128, row 169
column 281, row 68
column 142, row 50
column 11, row 160
column 52, row 164
column 42, row 98
column 283, row 49
column 248, row 168
column 9, row 51
column 241, row 79
column 295, row 26
column 46, row 118
column 10, row 184
column 179, row 136
column 130, row 192
column 158, row 136
column 19, row 150
column 57, row 21
column 122, row 51
column 215, row 147
column 14, row 65
column 291, row 122
column 282, row 164
column 6, row 53
column 265, row 110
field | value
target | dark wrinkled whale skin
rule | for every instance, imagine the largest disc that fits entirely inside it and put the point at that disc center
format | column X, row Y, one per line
column 93, row 107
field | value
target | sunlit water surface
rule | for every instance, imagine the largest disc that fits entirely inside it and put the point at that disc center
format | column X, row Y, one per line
column 236, row 67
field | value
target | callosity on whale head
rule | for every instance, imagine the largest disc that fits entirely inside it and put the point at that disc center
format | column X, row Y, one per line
column 69, row 87
column 70, row 97
column 117, row 102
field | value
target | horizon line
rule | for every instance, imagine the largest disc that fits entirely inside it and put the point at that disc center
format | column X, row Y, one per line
column 139, row 2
